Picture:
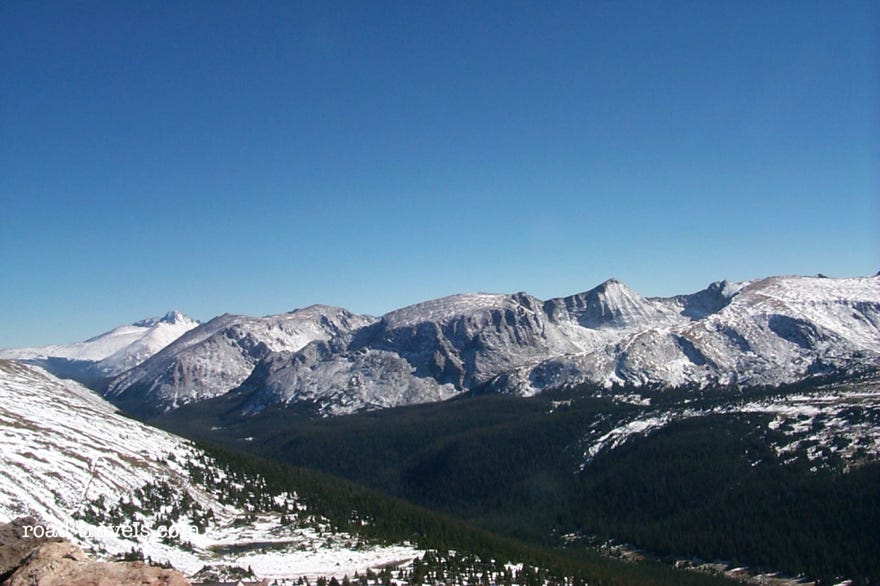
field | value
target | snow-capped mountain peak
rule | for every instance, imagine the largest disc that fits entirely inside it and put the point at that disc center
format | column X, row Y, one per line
column 108, row 354
column 444, row 308
column 713, row 298
column 172, row 317
column 609, row 305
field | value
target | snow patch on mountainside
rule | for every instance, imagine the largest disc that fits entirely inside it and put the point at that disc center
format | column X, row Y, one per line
column 837, row 421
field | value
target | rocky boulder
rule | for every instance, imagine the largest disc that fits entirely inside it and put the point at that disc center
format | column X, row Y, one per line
column 25, row 561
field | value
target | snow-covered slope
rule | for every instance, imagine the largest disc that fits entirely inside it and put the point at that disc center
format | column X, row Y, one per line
column 159, row 333
column 218, row 355
column 771, row 331
column 110, row 353
column 111, row 484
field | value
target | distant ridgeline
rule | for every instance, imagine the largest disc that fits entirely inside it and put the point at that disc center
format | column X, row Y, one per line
column 327, row 361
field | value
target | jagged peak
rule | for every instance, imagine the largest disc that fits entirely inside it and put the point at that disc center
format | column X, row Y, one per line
column 527, row 301
column 606, row 288
column 611, row 303
column 611, row 287
column 172, row 317
column 724, row 287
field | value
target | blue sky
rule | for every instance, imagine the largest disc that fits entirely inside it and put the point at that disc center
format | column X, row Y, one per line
column 252, row 157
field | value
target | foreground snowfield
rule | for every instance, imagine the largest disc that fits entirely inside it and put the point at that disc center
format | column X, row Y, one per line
column 84, row 471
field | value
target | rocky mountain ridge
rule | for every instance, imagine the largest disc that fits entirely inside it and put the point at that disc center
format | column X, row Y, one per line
column 766, row 332
column 217, row 356
column 329, row 361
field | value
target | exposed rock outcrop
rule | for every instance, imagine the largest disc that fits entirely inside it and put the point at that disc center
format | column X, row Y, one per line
column 26, row 561
column 16, row 545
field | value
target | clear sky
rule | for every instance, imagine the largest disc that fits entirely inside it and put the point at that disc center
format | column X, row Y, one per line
column 254, row 157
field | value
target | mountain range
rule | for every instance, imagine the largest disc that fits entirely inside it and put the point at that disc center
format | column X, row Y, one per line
column 327, row 360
